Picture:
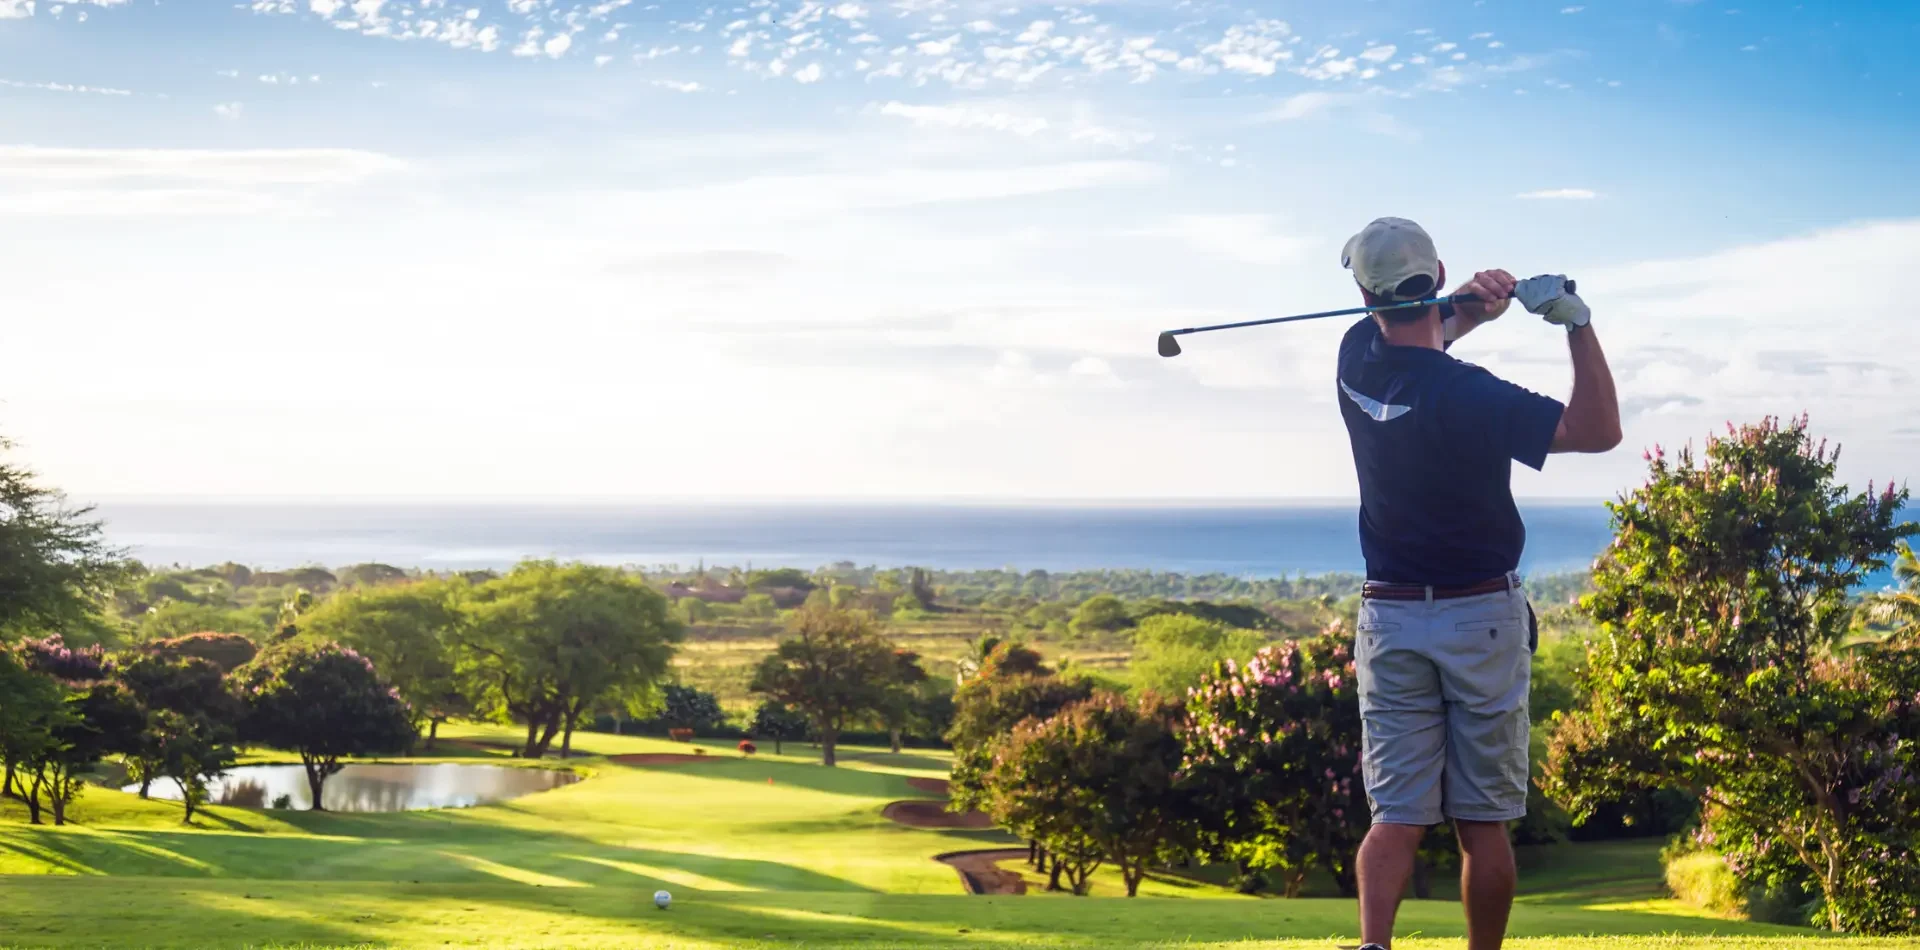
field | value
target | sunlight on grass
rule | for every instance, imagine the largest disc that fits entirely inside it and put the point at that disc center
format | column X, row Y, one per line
column 508, row 872
column 673, row 876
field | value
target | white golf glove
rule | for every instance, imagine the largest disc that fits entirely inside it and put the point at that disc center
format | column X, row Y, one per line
column 1548, row 296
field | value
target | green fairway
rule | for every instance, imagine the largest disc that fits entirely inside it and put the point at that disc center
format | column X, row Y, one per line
column 767, row 849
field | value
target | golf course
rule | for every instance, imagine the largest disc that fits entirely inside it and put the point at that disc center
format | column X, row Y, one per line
column 761, row 850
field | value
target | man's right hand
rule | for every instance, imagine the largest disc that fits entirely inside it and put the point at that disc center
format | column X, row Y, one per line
column 1548, row 296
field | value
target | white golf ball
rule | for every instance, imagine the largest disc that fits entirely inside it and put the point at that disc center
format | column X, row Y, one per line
column 661, row 899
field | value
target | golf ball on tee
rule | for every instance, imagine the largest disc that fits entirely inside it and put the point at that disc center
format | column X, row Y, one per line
column 661, row 899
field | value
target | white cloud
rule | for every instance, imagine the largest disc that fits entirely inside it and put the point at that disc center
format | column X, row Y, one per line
column 1299, row 106
column 228, row 110
column 151, row 202
column 1247, row 238
column 765, row 195
column 557, row 46
column 15, row 9
column 325, row 8
column 677, row 85
column 965, row 117
column 808, row 73
column 257, row 166
column 1571, row 9
column 1568, row 194
column 1379, row 54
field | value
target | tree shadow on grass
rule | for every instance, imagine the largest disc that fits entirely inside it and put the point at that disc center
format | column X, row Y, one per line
column 470, row 855
column 860, row 783
column 904, row 760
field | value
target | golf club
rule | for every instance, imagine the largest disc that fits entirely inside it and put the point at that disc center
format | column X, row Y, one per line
column 1171, row 347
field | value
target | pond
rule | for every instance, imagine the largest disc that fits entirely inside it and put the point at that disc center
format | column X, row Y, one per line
column 374, row 787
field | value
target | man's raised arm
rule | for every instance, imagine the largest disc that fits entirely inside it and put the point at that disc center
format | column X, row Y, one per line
column 1591, row 422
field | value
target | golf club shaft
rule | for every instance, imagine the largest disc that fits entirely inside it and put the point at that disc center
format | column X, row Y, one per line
column 1452, row 298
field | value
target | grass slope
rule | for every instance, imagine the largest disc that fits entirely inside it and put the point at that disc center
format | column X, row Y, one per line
column 803, row 859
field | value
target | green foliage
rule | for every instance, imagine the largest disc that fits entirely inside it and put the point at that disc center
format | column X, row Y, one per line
column 773, row 720
column 1173, row 652
column 228, row 651
column 759, row 606
column 1096, row 782
column 835, row 669
column 683, row 707
column 1010, row 658
column 33, row 707
column 762, row 581
column 696, row 610
column 408, row 631
column 1719, row 671
column 1244, row 616
column 188, row 749
column 1274, row 757
column 1701, row 878
column 172, row 619
column 1100, row 614
column 371, row 574
column 986, row 709
column 547, row 644
column 190, row 715
column 323, row 702
column 55, row 567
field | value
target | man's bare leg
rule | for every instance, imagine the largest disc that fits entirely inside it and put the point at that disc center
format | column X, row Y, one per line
column 1384, row 865
column 1486, row 881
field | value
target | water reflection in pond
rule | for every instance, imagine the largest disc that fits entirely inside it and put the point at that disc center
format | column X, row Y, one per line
column 374, row 787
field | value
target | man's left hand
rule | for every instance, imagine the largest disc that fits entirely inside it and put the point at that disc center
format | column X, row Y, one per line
column 1494, row 290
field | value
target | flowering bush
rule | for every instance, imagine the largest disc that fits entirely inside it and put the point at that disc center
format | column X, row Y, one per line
column 1721, row 670
column 1274, row 747
column 747, row 747
column 50, row 656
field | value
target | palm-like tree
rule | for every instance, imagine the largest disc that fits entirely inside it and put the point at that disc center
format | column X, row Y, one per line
column 1900, row 608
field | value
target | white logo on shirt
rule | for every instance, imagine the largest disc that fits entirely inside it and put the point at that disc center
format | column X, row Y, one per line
column 1380, row 411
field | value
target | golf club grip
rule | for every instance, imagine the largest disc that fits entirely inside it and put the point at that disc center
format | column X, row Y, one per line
column 1573, row 287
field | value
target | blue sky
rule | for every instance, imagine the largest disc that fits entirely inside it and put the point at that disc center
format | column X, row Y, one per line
column 913, row 249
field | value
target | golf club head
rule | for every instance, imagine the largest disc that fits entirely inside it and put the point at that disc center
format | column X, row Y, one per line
column 1168, row 345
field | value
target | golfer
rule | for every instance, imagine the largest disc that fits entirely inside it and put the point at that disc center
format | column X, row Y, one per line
column 1445, row 634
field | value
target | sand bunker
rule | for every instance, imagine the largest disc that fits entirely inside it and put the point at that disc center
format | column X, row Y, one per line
column 661, row 758
column 980, row 873
column 927, row 813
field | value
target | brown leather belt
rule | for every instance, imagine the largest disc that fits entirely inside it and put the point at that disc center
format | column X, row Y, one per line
column 1378, row 590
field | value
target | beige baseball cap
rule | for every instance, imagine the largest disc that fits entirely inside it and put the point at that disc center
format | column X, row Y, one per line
column 1394, row 259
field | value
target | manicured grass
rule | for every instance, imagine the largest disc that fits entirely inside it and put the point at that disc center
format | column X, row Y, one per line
column 805, row 859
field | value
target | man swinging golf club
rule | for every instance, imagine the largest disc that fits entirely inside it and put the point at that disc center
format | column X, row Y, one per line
column 1445, row 634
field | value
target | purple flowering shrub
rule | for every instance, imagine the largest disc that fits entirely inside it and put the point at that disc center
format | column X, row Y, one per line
column 50, row 656
column 1722, row 669
column 1273, row 747
column 324, row 702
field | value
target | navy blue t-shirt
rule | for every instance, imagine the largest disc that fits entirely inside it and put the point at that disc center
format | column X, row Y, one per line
column 1434, row 440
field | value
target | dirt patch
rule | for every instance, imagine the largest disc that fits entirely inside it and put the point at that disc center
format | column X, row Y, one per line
column 980, row 872
column 925, row 813
column 662, row 758
column 935, row 786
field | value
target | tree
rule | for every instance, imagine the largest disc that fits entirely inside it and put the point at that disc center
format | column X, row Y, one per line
column 1900, row 607
column 1097, row 781
column 901, row 698
column 102, row 720
column 55, row 566
column 1719, row 670
column 835, row 669
column 407, row 631
column 1010, row 659
column 920, row 587
column 1274, row 759
column 175, row 619
column 784, row 577
column 371, row 574
column 1174, row 652
column 324, row 702
column 31, row 705
column 759, row 607
column 228, row 651
column 1100, row 614
column 189, row 749
column 190, row 689
column 547, row 643
column 985, row 711
column 684, row 707
column 772, row 720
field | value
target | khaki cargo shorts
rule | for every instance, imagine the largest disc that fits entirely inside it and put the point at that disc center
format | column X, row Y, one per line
column 1443, row 707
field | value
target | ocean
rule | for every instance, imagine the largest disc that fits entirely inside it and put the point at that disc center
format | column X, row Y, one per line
column 1245, row 540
